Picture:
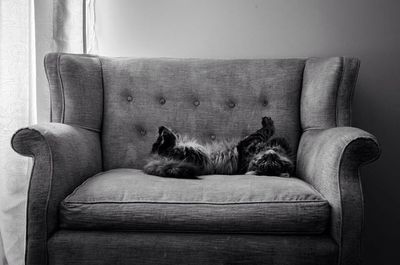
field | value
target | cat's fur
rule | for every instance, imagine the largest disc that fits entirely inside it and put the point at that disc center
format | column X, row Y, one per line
column 177, row 156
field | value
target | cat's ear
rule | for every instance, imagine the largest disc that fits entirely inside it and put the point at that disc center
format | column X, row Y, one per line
column 166, row 133
column 163, row 129
column 165, row 140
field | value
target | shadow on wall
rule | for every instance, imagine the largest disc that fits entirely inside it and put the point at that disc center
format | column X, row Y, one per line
column 367, row 29
column 376, row 109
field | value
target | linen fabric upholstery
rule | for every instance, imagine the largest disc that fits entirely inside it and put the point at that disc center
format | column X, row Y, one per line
column 327, row 93
column 329, row 160
column 207, row 99
column 106, row 112
column 345, row 91
column 76, row 89
column 188, row 248
column 64, row 156
column 128, row 199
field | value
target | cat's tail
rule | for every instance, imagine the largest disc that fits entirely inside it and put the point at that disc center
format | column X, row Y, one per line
column 170, row 168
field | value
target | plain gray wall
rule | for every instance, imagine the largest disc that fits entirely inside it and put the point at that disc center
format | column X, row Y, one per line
column 368, row 29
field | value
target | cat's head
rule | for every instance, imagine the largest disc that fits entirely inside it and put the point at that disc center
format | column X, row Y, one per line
column 272, row 159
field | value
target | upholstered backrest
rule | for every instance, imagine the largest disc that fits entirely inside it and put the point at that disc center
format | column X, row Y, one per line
column 209, row 99
column 127, row 99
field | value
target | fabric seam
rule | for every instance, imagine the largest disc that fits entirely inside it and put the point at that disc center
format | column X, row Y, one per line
column 337, row 90
column 195, row 203
column 84, row 127
column 48, row 80
column 103, row 112
column 61, row 87
column 237, row 232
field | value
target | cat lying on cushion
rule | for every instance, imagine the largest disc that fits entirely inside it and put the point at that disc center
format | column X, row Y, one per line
column 178, row 156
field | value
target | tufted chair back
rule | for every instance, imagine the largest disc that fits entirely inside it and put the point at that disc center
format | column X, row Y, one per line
column 126, row 99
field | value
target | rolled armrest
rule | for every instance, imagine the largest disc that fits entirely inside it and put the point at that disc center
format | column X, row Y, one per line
column 64, row 156
column 329, row 160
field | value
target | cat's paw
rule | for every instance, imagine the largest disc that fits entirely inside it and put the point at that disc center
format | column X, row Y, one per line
column 267, row 122
column 268, row 128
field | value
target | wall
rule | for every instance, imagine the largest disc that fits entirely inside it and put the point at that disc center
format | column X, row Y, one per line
column 368, row 29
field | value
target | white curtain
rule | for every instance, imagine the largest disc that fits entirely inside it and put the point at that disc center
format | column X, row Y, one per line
column 17, row 109
column 73, row 26
column 72, row 30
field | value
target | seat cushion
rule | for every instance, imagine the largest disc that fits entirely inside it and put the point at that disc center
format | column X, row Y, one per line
column 128, row 199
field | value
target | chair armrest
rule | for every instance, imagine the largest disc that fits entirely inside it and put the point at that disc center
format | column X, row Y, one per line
column 64, row 156
column 329, row 159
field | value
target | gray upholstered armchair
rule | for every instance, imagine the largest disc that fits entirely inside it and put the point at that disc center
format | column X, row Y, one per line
column 89, row 202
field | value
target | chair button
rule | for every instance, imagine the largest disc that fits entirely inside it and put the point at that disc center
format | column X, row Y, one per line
column 212, row 136
column 162, row 101
column 265, row 103
column 196, row 103
column 129, row 98
column 142, row 132
column 231, row 104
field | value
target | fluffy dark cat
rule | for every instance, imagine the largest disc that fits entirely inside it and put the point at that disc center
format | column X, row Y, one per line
column 178, row 156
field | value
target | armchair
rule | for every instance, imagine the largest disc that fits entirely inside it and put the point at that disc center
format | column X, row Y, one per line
column 89, row 202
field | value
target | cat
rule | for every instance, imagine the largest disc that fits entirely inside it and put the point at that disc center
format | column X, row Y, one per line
column 178, row 156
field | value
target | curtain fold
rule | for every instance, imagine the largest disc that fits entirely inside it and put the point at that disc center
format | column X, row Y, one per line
column 66, row 27
column 73, row 26
column 17, row 109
